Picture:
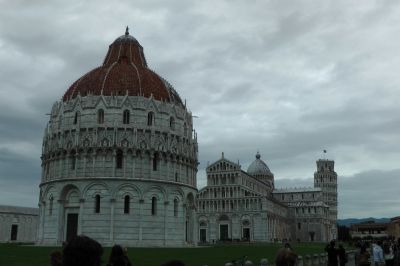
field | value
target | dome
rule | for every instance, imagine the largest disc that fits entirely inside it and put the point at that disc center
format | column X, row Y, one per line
column 124, row 71
column 258, row 167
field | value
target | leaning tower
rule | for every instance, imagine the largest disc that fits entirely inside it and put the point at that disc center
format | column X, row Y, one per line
column 119, row 157
column 326, row 178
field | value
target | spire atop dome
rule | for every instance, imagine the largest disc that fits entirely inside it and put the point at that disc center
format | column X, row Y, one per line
column 258, row 156
column 127, row 30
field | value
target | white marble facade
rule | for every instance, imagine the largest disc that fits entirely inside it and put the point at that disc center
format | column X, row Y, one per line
column 18, row 224
column 245, row 206
column 119, row 165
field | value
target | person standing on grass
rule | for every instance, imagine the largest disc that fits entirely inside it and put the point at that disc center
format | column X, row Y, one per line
column 286, row 257
column 377, row 253
column 388, row 253
column 82, row 251
column 118, row 257
column 342, row 255
column 332, row 253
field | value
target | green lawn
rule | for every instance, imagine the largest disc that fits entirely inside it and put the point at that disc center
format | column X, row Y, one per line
column 212, row 256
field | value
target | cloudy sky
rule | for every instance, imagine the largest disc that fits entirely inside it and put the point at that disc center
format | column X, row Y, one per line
column 287, row 78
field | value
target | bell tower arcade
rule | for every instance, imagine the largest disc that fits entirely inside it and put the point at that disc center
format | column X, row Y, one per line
column 326, row 178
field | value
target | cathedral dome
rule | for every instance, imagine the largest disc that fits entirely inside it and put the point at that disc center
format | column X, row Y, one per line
column 258, row 167
column 124, row 72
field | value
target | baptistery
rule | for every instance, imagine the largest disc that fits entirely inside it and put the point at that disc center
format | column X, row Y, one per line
column 119, row 158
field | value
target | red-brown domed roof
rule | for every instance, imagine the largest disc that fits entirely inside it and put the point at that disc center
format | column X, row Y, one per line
column 124, row 70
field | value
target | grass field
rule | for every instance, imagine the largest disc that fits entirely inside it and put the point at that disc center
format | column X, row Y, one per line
column 19, row 255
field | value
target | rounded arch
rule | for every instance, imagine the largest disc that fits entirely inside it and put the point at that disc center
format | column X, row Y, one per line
column 203, row 219
column 152, row 192
column 189, row 200
column 47, row 191
column 116, row 192
column 245, row 217
column 177, row 191
column 91, row 185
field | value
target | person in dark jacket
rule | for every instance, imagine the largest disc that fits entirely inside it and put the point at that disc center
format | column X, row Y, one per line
column 332, row 254
column 82, row 251
column 118, row 257
column 342, row 255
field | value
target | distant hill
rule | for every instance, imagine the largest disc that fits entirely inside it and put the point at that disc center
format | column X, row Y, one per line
column 350, row 221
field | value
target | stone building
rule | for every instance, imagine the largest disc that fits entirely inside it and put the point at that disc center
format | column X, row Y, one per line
column 245, row 206
column 369, row 229
column 119, row 164
column 394, row 227
column 18, row 224
column 236, row 205
column 119, row 158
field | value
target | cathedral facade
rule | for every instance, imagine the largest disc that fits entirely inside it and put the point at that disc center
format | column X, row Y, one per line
column 119, row 164
column 239, row 205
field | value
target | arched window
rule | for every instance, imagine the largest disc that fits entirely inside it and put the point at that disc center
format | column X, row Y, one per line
column 76, row 117
column 73, row 162
column 126, row 204
column 153, row 206
column 155, row 162
column 150, row 118
column 176, row 177
column 60, row 121
column 184, row 129
column 126, row 117
column 172, row 123
column 97, row 204
column 100, row 116
column 175, row 207
column 51, row 205
column 119, row 159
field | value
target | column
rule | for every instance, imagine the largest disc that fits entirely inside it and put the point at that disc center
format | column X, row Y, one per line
column 60, row 229
column 84, row 163
column 81, row 202
column 151, row 157
column 42, row 216
column 168, row 172
column 114, row 154
column 94, row 155
column 124, row 162
column 141, row 201
column 165, row 222
column 133, row 164
column 60, row 166
column 76, row 163
column 112, row 201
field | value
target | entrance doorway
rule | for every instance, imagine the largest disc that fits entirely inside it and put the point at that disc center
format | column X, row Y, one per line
column 14, row 232
column 72, row 226
column 246, row 234
column 223, row 232
column 203, row 235
column 312, row 234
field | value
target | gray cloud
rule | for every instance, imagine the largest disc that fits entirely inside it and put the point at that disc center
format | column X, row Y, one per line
column 286, row 78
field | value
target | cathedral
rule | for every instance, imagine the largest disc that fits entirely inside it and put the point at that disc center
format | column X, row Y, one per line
column 119, row 164
column 239, row 205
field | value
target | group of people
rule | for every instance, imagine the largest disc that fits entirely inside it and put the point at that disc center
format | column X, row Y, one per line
column 286, row 256
column 380, row 253
column 84, row 251
column 336, row 255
